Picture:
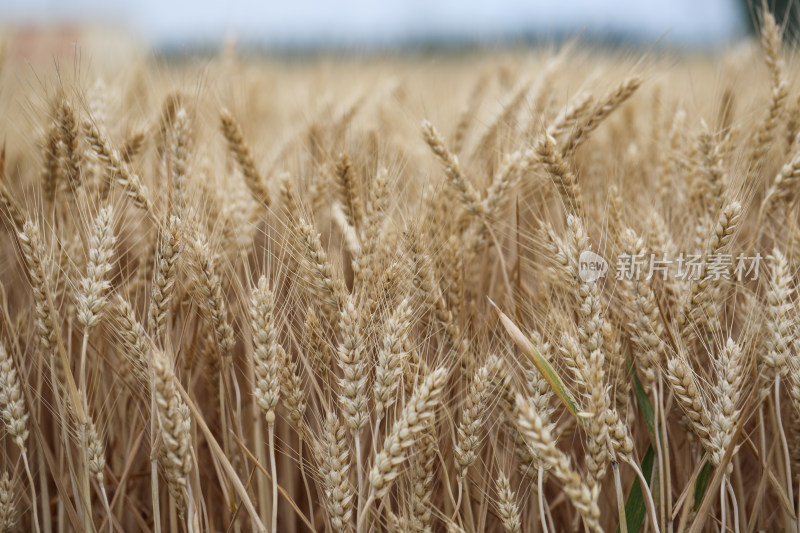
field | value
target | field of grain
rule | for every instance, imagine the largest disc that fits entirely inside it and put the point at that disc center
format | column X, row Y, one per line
column 533, row 290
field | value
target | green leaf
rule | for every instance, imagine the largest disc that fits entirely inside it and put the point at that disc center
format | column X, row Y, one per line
column 541, row 364
column 635, row 508
column 701, row 484
column 645, row 407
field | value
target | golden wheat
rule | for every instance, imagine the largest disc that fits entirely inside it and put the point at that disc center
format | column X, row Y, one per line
column 180, row 353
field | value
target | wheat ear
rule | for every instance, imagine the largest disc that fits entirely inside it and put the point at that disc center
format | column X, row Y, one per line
column 12, row 404
column 69, row 164
column 542, row 443
column 349, row 195
column 269, row 358
column 776, row 355
column 563, row 177
column 50, row 173
column 32, row 248
column 133, row 145
column 782, row 187
column 94, row 286
column 422, row 474
column 119, row 170
column 179, row 142
column 762, row 140
column 417, row 414
column 469, row 429
column 91, row 303
column 780, row 317
column 353, row 398
column 695, row 309
column 8, row 205
column 9, row 514
column 165, row 274
column 96, row 463
column 134, row 340
column 15, row 415
column 507, row 507
column 434, row 302
column 728, row 392
column 576, row 109
column 467, row 194
column 209, row 285
column 334, row 468
column 391, row 357
column 319, row 273
column 602, row 110
column 241, row 152
column 294, row 395
column 317, row 348
column 712, row 185
column 175, row 424
column 643, row 314
column 267, row 351
column 685, row 386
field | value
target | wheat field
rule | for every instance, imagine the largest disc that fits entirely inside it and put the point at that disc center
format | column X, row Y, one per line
column 526, row 290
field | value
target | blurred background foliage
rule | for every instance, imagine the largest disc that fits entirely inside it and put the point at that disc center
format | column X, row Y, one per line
column 786, row 13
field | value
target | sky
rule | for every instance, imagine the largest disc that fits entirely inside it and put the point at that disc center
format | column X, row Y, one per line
column 385, row 22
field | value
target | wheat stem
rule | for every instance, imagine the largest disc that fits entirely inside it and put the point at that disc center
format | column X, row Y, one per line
column 271, row 438
column 33, row 491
